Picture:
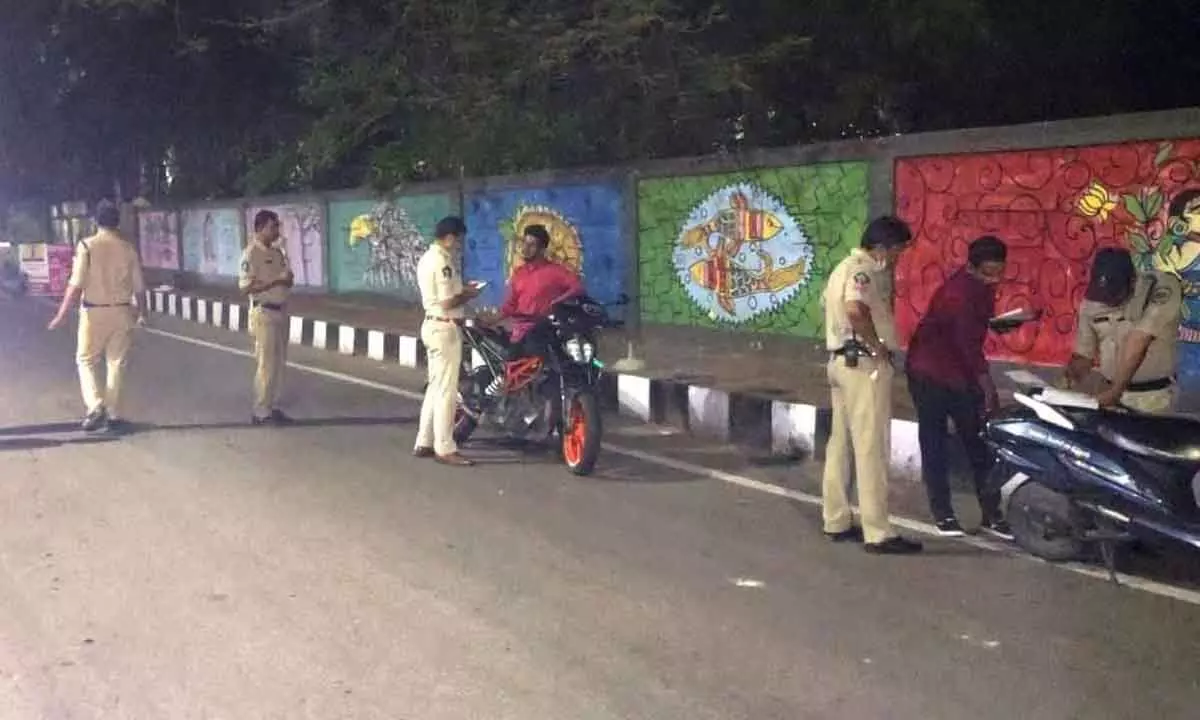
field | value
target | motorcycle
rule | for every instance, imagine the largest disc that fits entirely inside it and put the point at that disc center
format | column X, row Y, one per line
column 1074, row 477
column 512, row 394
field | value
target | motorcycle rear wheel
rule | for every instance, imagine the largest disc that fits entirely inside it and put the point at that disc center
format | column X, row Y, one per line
column 581, row 434
column 1045, row 524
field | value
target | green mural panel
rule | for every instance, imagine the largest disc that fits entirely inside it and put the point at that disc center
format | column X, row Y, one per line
column 749, row 250
column 374, row 245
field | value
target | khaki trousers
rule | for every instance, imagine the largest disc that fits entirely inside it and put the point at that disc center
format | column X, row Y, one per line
column 105, row 336
column 862, row 414
column 443, row 348
column 270, row 331
column 1155, row 402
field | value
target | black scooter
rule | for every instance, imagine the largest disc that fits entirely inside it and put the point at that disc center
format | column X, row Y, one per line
column 1074, row 477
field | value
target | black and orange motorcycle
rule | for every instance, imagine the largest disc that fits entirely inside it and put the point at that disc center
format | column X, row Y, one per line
column 554, row 391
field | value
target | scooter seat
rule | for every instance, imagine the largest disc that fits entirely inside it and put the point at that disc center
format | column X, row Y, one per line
column 1162, row 437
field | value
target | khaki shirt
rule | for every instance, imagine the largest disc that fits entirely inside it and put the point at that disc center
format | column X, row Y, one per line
column 107, row 270
column 440, row 278
column 856, row 278
column 261, row 265
column 1155, row 308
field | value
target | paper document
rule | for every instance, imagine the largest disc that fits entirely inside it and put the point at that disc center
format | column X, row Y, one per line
column 1019, row 314
column 1068, row 398
column 1024, row 378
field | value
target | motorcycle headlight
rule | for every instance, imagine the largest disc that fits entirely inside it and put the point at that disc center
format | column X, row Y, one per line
column 589, row 351
column 574, row 349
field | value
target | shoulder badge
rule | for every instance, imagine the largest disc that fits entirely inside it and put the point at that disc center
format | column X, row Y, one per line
column 1160, row 295
column 245, row 266
column 447, row 272
column 861, row 280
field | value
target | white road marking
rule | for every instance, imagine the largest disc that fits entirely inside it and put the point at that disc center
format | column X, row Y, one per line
column 1149, row 586
column 748, row 583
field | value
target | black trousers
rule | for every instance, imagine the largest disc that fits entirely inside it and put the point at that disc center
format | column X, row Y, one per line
column 935, row 404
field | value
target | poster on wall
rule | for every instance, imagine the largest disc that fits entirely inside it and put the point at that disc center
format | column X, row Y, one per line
column 302, row 227
column 212, row 242
column 1054, row 208
column 158, row 239
column 748, row 250
column 375, row 244
column 47, row 268
column 584, row 223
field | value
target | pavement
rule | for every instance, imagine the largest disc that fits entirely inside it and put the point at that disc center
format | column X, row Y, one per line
column 202, row 568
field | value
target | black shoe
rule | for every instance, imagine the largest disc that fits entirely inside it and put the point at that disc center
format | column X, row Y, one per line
column 949, row 528
column 997, row 528
column 96, row 421
column 894, row 546
column 854, row 534
column 279, row 418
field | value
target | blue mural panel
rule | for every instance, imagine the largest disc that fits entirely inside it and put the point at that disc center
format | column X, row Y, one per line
column 212, row 242
column 585, row 234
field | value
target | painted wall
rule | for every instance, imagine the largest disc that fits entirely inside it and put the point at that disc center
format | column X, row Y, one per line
column 1054, row 208
column 585, row 233
column 212, row 241
column 374, row 245
column 158, row 239
column 302, row 226
column 748, row 250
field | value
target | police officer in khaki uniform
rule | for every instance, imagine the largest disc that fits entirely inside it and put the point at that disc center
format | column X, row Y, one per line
column 267, row 279
column 1131, row 320
column 107, row 278
column 861, row 337
column 444, row 296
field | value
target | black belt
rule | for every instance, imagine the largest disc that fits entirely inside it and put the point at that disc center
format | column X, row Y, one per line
column 269, row 306
column 1150, row 385
column 87, row 304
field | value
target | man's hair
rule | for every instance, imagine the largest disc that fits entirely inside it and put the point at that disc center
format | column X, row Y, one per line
column 988, row 248
column 107, row 215
column 263, row 218
column 1112, row 276
column 539, row 233
column 1179, row 205
column 452, row 225
column 886, row 233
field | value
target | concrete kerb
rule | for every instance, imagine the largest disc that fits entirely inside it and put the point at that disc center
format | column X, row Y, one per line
column 758, row 423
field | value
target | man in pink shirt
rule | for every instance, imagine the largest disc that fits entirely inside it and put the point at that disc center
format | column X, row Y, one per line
column 535, row 288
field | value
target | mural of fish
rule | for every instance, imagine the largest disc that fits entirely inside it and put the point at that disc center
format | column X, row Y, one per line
column 730, row 280
column 738, row 225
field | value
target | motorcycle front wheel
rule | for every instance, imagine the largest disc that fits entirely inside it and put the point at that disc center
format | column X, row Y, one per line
column 582, row 432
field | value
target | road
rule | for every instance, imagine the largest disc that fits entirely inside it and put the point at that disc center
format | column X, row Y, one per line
column 201, row 568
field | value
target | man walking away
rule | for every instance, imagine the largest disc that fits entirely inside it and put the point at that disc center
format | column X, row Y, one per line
column 860, row 336
column 106, row 279
column 948, row 378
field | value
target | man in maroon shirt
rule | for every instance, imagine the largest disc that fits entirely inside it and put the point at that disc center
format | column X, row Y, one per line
column 534, row 289
column 948, row 379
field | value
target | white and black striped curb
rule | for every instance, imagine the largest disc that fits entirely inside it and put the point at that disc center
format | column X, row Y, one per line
column 765, row 424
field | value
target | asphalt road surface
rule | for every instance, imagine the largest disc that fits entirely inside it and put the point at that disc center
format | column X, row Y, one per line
column 201, row 568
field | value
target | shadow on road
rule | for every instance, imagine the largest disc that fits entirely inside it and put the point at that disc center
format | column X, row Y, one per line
column 34, row 443
column 137, row 428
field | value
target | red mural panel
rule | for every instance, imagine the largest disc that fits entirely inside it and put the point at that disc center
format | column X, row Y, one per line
column 1054, row 209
